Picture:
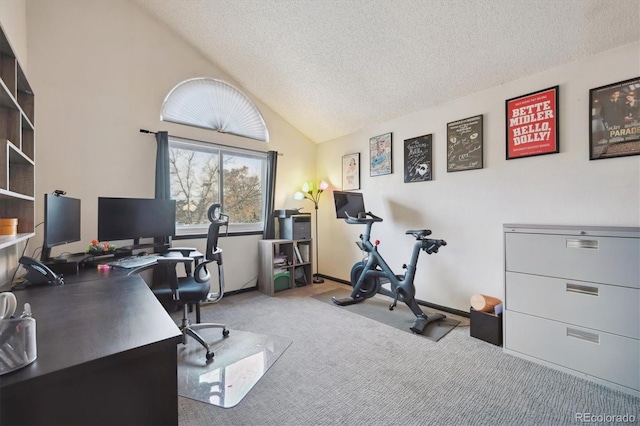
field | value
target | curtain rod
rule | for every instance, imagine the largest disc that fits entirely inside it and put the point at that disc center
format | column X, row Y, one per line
column 196, row 140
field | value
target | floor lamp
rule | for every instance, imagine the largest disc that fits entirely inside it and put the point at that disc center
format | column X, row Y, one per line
column 308, row 193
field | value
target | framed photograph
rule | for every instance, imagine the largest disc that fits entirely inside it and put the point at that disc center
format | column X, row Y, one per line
column 465, row 144
column 418, row 156
column 380, row 155
column 532, row 124
column 614, row 110
column 351, row 171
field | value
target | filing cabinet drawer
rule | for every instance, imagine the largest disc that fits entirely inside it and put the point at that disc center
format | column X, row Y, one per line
column 601, row 259
column 599, row 306
column 602, row 355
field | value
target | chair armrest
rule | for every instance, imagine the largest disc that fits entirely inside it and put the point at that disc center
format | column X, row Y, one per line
column 185, row 251
column 202, row 266
column 169, row 265
column 161, row 260
column 174, row 259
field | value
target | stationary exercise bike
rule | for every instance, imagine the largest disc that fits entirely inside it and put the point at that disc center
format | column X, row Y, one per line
column 368, row 275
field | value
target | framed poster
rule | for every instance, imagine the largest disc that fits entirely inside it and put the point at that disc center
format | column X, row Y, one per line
column 532, row 124
column 614, row 110
column 380, row 155
column 418, row 155
column 464, row 144
column 351, row 171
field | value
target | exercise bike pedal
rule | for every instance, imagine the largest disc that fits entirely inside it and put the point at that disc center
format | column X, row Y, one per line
column 346, row 301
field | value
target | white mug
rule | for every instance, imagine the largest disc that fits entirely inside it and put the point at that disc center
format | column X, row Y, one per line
column 8, row 304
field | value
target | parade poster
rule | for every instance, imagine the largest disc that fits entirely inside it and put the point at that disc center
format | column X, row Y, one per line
column 615, row 120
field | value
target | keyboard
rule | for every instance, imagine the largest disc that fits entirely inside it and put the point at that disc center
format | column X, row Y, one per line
column 131, row 262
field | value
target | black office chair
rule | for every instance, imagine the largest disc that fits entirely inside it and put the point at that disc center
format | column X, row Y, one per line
column 188, row 291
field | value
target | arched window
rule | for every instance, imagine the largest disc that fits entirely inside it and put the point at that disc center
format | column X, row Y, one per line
column 213, row 104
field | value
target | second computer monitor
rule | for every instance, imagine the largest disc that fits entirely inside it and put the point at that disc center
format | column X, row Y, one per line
column 135, row 218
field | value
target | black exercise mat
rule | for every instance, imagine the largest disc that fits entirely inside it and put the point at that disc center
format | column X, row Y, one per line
column 377, row 308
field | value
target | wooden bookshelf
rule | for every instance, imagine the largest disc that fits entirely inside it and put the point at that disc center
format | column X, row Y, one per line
column 17, row 146
column 284, row 256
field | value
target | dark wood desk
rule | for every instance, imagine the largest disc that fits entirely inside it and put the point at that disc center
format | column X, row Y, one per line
column 106, row 355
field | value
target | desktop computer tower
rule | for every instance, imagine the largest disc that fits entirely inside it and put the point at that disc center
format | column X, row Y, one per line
column 296, row 227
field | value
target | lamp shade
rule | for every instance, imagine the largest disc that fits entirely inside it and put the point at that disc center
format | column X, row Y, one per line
column 298, row 196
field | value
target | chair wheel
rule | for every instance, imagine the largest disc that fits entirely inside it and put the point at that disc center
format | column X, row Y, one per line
column 210, row 356
column 225, row 333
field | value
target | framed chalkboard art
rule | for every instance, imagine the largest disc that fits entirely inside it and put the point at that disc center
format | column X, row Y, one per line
column 380, row 155
column 615, row 120
column 418, row 156
column 532, row 124
column 465, row 144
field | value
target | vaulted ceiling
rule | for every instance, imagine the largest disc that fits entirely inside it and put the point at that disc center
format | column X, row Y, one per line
column 332, row 67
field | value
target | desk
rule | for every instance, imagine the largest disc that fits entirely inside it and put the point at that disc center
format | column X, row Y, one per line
column 106, row 355
column 98, row 270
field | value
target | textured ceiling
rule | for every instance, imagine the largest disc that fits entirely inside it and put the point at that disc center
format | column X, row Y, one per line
column 332, row 67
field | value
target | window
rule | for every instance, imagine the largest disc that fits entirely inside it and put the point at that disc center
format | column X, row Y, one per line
column 203, row 174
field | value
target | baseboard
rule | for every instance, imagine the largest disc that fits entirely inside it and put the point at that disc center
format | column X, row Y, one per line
column 240, row 291
column 420, row 302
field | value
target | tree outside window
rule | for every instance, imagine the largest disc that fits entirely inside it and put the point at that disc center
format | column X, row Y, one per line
column 202, row 174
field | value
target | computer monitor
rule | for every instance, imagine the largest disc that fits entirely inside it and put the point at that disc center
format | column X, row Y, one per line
column 61, row 222
column 135, row 218
column 349, row 202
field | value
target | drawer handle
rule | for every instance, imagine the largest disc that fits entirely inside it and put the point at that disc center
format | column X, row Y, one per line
column 586, row 244
column 583, row 335
column 582, row 289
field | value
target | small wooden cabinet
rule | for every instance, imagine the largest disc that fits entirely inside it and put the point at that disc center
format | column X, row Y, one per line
column 284, row 264
column 17, row 146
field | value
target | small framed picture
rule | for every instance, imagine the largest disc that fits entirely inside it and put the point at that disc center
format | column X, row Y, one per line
column 351, row 171
column 532, row 124
column 464, row 144
column 614, row 110
column 380, row 155
column 418, row 156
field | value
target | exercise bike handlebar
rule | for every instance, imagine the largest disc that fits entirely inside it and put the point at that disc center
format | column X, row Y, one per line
column 362, row 218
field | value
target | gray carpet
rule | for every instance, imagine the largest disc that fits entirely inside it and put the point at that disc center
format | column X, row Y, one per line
column 345, row 369
column 377, row 308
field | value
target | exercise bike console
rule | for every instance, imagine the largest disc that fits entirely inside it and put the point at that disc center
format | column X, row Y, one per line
column 368, row 275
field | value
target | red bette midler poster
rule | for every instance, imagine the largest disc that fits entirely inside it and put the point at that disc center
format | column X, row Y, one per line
column 532, row 124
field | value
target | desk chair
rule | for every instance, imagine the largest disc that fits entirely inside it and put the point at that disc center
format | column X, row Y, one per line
column 172, row 290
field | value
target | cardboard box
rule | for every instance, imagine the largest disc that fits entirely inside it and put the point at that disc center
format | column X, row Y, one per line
column 487, row 327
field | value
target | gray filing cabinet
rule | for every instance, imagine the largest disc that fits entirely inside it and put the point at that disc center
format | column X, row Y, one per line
column 572, row 300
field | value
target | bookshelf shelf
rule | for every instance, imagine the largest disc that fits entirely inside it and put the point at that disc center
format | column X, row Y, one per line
column 280, row 258
column 17, row 146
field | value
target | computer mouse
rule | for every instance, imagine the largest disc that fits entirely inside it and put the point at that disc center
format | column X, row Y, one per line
column 142, row 253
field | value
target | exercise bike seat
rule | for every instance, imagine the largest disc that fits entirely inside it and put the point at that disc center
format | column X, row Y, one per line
column 419, row 234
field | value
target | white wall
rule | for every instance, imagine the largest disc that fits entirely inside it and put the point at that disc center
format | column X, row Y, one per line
column 13, row 17
column 100, row 71
column 468, row 208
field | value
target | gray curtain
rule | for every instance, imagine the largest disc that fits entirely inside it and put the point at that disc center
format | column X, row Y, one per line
column 269, row 225
column 163, row 190
column 162, row 166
